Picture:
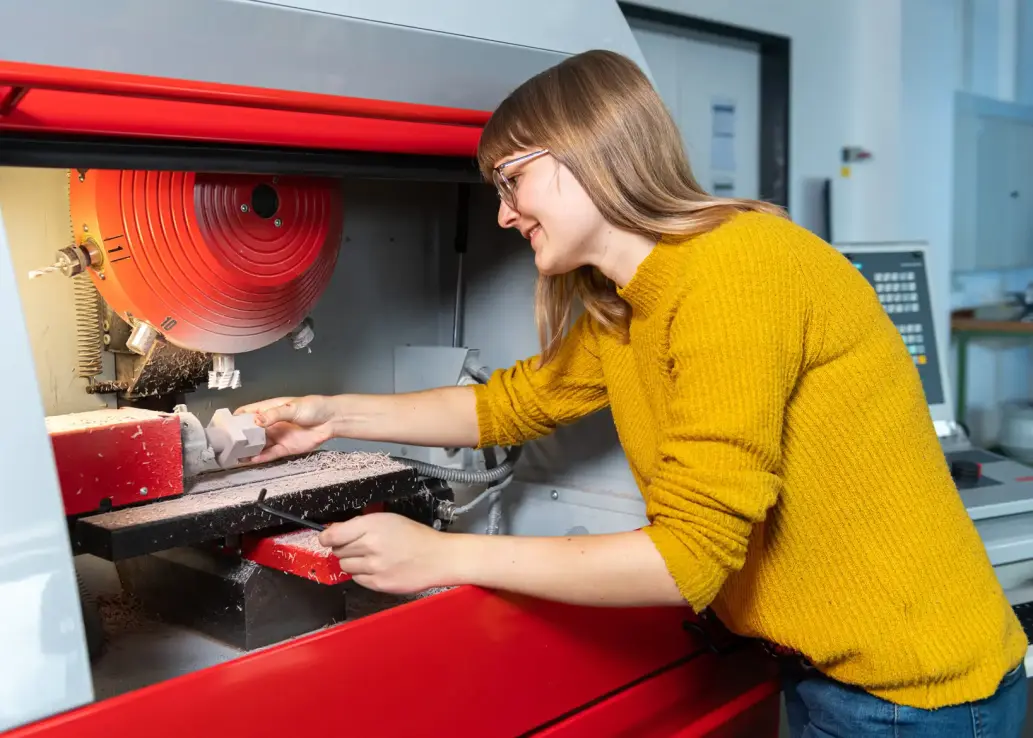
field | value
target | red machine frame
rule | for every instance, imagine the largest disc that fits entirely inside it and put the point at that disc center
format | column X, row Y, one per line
column 465, row 662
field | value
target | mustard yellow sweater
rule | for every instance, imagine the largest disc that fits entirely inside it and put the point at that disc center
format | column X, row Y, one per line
column 777, row 429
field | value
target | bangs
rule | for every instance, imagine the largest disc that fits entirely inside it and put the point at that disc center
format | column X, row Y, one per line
column 510, row 129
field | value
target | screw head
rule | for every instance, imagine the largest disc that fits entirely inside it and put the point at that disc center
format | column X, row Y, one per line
column 244, row 208
column 143, row 490
column 554, row 495
column 277, row 222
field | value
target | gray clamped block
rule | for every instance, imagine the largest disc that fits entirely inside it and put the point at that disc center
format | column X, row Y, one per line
column 234, row 437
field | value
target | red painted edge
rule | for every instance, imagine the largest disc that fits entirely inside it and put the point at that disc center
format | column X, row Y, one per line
column 70, row 101
column 66, row 79
column 79, row 113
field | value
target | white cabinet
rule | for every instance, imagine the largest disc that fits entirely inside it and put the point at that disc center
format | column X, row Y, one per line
column 993, row 185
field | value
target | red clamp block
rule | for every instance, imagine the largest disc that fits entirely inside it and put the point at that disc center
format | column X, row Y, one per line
column 111, row 458
column 298, row 553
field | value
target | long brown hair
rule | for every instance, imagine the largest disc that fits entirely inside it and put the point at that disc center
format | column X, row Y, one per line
column 599, row 115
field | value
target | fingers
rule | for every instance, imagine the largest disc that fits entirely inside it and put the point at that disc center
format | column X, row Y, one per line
column 356, row 565
column 341, row 535
column 288, row 412
column 257, row 407
column 276, row 451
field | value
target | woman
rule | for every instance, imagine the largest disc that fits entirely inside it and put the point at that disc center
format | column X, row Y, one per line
column 771, row 415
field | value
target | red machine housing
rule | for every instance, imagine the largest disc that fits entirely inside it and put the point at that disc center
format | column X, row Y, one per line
column 465, row 662
column 111, row 458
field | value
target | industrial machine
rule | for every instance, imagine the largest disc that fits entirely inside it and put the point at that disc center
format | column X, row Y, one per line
column 217, row 201
column 997, row 491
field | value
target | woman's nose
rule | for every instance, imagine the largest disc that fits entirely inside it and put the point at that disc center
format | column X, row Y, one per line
column 507, row 216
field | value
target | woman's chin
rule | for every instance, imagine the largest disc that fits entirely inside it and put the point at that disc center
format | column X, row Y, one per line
column 546, row 266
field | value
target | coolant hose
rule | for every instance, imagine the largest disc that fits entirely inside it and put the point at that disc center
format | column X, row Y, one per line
column 495, row 510
column 489, row 493
column 464, row 476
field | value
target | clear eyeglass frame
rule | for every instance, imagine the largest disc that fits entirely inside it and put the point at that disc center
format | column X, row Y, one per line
column 505, row 186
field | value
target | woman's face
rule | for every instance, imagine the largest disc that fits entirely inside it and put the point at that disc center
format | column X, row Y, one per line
column 551, row 209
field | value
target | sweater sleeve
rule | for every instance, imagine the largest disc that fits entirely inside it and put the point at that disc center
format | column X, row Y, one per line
column 736, row 350
column 526, row 401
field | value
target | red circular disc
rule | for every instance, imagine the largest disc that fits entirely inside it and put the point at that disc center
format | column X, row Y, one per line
column 216, row 263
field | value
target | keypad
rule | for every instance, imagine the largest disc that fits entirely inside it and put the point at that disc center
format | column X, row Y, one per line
column 898, row 293
column 899, row 278
column 914, row 339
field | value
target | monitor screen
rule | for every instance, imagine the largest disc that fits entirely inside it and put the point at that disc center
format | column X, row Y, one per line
column 901, row 281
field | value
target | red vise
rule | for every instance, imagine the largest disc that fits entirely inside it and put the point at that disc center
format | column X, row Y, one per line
column 111, row 458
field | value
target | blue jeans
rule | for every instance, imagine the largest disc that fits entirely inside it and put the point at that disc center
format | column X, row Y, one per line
column 819, row 707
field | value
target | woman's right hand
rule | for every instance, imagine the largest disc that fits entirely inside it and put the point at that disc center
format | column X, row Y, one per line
column 293, row 425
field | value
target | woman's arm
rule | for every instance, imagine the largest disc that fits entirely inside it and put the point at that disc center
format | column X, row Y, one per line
column 516, row 405
column 442, row 417
column 391, row 553
column 611, row 570
column 445, row 417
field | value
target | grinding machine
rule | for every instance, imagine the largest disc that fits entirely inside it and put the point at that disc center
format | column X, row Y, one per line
column 220, row 203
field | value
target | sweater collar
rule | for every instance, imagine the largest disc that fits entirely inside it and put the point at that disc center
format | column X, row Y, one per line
column 652, row 279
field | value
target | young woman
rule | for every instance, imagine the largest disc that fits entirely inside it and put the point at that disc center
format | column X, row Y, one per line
column 771, row 414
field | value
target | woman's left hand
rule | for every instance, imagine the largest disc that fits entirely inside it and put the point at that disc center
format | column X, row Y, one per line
column 391, row 553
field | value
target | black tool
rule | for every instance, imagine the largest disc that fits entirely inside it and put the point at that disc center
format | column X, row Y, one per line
column 286, row 516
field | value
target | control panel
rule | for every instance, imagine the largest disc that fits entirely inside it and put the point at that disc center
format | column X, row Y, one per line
column 901, row 282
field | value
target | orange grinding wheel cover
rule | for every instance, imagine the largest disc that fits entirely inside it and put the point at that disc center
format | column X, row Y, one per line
column 221, row 263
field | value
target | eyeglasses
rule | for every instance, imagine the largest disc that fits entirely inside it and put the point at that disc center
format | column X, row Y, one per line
column 506, row 186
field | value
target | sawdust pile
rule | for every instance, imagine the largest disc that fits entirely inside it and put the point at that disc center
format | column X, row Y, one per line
column 121, row 612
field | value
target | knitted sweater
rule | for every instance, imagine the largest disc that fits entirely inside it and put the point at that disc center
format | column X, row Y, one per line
column 777, row 428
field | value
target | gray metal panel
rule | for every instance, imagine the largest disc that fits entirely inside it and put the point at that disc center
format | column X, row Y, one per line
column 257, row 44
column 569, row 27
column 1008, row 539
column 41, row 629
column 1010, row 497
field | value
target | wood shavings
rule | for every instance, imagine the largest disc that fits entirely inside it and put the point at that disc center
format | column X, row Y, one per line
column 305, row 540
column 368, row 462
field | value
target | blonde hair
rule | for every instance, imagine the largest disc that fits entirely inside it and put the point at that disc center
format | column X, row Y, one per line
column 599, row 115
